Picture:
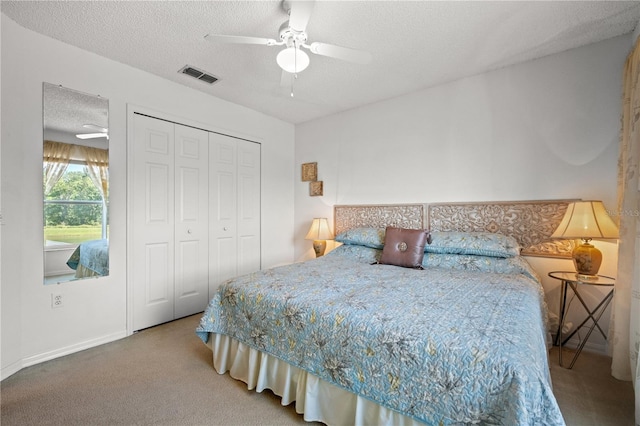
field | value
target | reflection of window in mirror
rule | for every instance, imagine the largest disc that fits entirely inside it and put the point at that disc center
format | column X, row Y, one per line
column 75, row 185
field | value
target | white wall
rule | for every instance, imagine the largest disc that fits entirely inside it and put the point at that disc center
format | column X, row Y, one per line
column 95, row 310
column 545, row 129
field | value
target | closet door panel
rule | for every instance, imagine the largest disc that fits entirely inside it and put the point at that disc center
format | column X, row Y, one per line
column 248, row 207
column 223, row 210
column 223, row 165
column 190, row 296
column 191, row 223
column 158, row 287
column 189, row 181
column 224, row 264
column 248, row 254
column 223, row 228
column 153, row 222
column 225, row 198
column 157, row 193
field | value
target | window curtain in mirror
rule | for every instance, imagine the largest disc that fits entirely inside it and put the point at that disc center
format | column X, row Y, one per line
column 625, row 322
column 56, row 160
column 98, row 167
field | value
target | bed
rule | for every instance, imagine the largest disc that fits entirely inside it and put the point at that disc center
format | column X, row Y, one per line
column 461, row 340
column 90, row 259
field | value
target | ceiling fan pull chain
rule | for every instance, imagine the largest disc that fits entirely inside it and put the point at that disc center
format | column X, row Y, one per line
column 295, row 67
column 295, row 77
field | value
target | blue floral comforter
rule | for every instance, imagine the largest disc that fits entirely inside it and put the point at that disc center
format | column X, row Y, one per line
column 443, row 346
column 93, row 255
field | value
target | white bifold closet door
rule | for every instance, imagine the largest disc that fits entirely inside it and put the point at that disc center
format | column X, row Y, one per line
column 170, row 267
column 234, row 208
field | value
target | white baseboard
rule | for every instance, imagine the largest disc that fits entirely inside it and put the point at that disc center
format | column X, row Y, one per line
column 57, row 353
column 10, row 370
column 599, row 348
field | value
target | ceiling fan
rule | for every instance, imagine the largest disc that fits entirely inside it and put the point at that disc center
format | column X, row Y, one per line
column 102, row 132
column 292, row 35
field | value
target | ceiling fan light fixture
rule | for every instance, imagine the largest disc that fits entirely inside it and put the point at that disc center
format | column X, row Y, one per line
column 93, row 135
column 292, row 60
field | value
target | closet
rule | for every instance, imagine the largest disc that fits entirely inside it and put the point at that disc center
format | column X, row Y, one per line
column 184, row 185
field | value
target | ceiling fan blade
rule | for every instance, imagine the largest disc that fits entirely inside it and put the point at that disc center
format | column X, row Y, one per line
column 92, row 135
column 300, row 13
column 240, row 39
column 338, row 52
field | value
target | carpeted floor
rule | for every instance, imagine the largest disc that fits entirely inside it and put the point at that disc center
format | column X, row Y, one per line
column 164, row 376
column 588, row 394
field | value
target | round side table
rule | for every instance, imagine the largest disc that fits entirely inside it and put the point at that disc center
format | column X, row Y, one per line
column 571, row 280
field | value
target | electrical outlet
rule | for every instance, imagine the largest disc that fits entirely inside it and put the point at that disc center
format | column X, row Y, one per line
column 56, row 300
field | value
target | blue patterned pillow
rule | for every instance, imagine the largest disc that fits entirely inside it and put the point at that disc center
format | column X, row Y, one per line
column 475, row 243
column 468, row 262
column 367, row 237
column 361, row 253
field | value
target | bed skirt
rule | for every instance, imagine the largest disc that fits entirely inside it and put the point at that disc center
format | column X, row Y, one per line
column 316, row 399
column 83, row 272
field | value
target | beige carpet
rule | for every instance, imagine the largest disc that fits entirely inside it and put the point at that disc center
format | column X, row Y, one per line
column 588, row 394
column 164, row 376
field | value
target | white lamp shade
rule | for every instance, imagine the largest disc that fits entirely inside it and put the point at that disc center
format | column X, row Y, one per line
column 319, row 230
column 292, row 60
column 586, row 220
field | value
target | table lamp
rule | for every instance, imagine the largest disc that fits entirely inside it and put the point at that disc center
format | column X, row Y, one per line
column 586, row 220
column 319, row 233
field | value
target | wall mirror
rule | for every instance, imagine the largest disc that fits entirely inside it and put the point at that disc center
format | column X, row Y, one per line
column 75, row 184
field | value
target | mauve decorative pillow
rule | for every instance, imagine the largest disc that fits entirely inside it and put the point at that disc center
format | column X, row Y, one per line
column 404, row 247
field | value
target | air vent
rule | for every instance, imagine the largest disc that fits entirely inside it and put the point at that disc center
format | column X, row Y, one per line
column 200, row 75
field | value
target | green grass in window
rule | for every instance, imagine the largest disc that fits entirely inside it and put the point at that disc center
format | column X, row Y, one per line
column 72, row 234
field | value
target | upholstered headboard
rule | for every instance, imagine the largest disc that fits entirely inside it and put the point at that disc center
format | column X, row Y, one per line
column 531, row 223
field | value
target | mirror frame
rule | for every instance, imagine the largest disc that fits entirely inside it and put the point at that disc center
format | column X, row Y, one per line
column 75, row 132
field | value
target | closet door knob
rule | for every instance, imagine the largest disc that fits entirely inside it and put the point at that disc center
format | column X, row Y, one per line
column 224, row 229
column 188, row 231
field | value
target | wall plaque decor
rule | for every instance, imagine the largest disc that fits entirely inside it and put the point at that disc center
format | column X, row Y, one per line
column 309, row 172
column 315, row 188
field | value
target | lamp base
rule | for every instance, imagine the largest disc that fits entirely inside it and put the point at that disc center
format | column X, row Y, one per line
column 587, row 260
column 319, row 246
column 585, row 277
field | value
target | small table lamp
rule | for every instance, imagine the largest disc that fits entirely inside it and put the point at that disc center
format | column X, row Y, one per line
column 586, row 220
column 319, row 232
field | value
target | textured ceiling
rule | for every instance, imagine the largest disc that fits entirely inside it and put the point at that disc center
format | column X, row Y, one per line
column 414, row 44
column 66, row 112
